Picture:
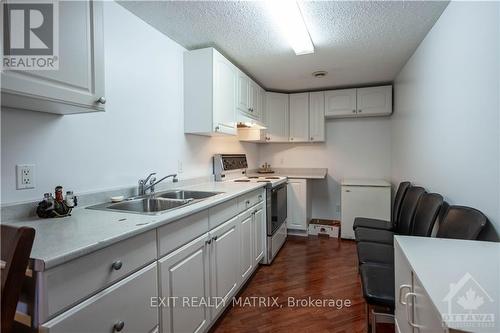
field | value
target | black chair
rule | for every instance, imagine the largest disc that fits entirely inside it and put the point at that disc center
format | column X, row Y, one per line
column 383, row 253
column 16, row 248
column 382, row 224
column 461, row 222
column 378, row 291
column 426, row 213
column 378, row 279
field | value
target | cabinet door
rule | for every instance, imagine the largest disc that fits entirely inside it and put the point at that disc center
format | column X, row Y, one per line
column 403, row 285
column 374, row 101
column 317, row 116
column 258, row 233
column 253, row 99
column 224, row 263
column 224, row 117
column 184, row 274
column 297, row 204
column 425, row 315
column 277, row 117
column 125, row 304
column 243, row 90
column 246, row 245
column 340, row 103
column 299, row 117
column 78, row 84
column 262, row 106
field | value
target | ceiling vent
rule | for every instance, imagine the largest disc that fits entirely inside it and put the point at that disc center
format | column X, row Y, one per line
column 319, row 74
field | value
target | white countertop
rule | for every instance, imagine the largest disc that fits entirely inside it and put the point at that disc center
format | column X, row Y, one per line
column 365, row 182
column 58, row 240
column 441, row 262
column 297, row 173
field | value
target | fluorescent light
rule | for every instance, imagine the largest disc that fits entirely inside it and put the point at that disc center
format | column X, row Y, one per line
column 287, row 15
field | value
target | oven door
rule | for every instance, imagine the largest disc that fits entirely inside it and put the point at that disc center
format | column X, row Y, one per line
column 276, row 211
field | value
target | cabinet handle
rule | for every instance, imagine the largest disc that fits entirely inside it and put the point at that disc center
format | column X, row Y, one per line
column 348, row 190
column 401, row 288
column 208, row 241
column 118, row 326
column 101, row 100
column 247, row 202
column 217, row 128
column 408, row 316
column 291, row 139
column 359, row 111
column 214, row 238
column 312, row 138
column 117, row 265
column 353, row 111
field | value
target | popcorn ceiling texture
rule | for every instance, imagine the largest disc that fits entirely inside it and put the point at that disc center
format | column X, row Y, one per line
column 356, row 42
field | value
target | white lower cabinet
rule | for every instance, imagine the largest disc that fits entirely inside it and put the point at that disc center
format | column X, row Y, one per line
column 224, row 263
column 259, row 232
column 114, row 309
column 184, row 281
column 246, row 246
column 414, row 312
column 298, row 207
column 196, row 265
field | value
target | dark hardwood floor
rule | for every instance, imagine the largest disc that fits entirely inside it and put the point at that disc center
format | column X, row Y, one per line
column 317, row 267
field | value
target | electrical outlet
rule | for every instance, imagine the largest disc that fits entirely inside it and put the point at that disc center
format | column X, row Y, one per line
column 25, row 176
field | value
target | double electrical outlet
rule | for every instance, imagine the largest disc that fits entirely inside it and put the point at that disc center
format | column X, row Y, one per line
column 25, row 176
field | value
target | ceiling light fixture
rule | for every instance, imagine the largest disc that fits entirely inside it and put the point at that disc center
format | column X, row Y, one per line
column 287, row 15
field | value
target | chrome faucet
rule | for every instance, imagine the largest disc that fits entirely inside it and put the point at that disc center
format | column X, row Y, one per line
column 152, row 182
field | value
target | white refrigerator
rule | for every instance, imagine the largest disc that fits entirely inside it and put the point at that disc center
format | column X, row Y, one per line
column 363, row 198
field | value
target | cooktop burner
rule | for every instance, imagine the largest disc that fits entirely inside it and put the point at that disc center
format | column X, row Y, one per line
column 242, row 180
column 263, row 181
column 253, row 177
column 273, row 177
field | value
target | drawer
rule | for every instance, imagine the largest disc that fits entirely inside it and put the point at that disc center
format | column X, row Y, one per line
column 222, row 212
column 178, row 233
column 250, row 199
column 71, row 282
column 127, row 302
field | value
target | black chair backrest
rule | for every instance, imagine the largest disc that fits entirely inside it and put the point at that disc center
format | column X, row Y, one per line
column 426, row 214
column 461, row 222
column 16, row 249
column 398, row 200
column 408, row 208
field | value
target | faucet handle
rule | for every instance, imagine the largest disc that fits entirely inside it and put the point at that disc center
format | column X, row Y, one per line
column 153, row 179
column 149, row 176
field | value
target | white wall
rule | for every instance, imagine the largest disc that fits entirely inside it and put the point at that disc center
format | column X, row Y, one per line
column 141, row 130
column 358, row 148
column 445, row 129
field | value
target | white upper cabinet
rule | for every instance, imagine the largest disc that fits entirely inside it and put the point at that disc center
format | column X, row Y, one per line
column 248, row 97
column 374, row 101
column 210, row 92
column 340, row 103
column 299, row 117
column 78, row 85
column 243, row 93
column 317, row 116
column 360, row 102
column 277, row 117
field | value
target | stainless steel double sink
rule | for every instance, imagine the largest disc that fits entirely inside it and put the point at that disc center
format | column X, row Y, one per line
column 157, row 203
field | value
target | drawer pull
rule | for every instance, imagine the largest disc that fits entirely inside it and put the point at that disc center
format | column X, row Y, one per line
column 247, row 202
column 214, row 238
column 401, row 288
column 118, row 326
column 117, row 265
column 408, row 314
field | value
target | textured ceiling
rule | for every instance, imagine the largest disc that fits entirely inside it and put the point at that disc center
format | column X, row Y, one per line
column 357, row 43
